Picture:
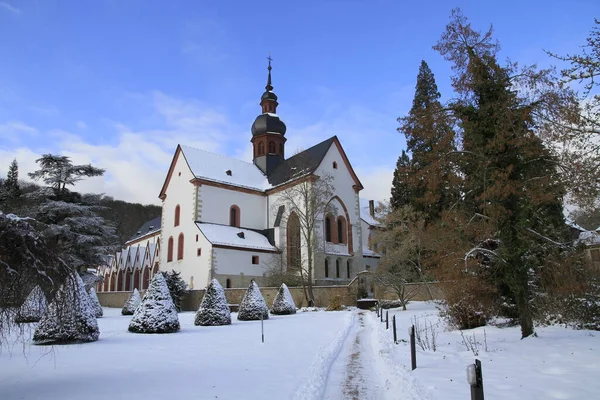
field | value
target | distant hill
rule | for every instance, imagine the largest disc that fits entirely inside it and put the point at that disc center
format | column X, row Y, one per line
column 128, row 217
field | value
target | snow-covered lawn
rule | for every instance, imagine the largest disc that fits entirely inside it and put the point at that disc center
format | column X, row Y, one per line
column 310, row 355
column 199, row 362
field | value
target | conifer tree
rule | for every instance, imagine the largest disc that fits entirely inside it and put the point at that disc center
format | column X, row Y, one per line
column 401, row 194
column 11, row 184
column 132, row 303
column 284, row 302
column 98, row 311
column 157, row 312
column 33, row 308
column 253, row 305
column 214, row 309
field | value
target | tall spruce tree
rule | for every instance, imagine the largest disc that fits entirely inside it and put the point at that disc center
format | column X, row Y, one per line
column 10, row 191
column 432, row 182
column 511, row 183
column 400, row 185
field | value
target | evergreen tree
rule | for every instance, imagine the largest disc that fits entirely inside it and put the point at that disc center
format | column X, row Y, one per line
column 431, row 180
column 156, row 313
column 401, row 194
column 132, row 303
column 214, row 309
column 284, row 302
column 98, row 311
column 34, row 307
column 177, row 287
column 511, row 183
column 11, row 183
column 253, row 305
column 70, row 316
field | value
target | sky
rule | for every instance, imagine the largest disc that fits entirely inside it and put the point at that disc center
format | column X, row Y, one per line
column 119, row 83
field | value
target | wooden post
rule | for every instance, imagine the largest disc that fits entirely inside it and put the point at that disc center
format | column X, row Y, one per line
column 262, row 327
column 413, row 348
column 381, row 316
column 394, row 328
column 475, row 379
column 387, row 324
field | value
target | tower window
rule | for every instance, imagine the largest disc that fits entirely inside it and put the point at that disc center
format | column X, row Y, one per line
column 261, row 148
column 199, row 251
column 281, row 149
column 271, row 147
column 335, row 165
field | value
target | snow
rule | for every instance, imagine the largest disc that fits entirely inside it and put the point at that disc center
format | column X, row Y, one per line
column 228, row 236
column 365, row 213
column 283, row 304
column 157, row 312
column 214, row 167
column 370, row 253
column 132, row 303
column 199, row 362
column 253, row 305
column 589, row 238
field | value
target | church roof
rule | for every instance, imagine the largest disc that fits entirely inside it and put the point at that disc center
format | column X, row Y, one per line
column 231, row 236
column 365, row 213
column 148, row 228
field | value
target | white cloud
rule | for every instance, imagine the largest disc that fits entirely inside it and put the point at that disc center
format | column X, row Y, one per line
column 13, row 131
column 9, row 7
column 81, row 125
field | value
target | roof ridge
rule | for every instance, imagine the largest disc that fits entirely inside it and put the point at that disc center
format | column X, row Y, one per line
column 219, row 155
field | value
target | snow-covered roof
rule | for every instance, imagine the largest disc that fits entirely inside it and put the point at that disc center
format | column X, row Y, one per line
column 370, row 253
column 574, row 225
column 149, row 228
column 589, row 238
column 365, row 213
column 230, row 236
column 215, row 167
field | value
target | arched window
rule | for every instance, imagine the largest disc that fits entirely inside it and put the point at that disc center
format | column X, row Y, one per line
column 348, row 269
column 326, row 268
column 170, row 249
column 341, row 230
column 180, row 247
column 177, row 214
column 334, row 165
column 261, row 148
column 234, row 216
column 281, row 149
column 337, row 268
column 228, row 283
column 327, row 229
column 271, row 147
column 293, row 242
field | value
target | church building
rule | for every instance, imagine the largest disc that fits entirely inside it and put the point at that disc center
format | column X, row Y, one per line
column 228, row 219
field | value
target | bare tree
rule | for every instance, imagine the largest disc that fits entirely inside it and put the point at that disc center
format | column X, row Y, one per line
column 306, row 201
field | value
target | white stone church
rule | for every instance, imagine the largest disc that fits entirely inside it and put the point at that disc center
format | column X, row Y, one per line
column 225, row 218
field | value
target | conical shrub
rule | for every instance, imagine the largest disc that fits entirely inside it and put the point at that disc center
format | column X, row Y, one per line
column 253, row 305
column 98, row 312
column 283, row 303
column 157, row 312
column 132, row 303
column 70, row 316
column 214, row 309
column 34, row 307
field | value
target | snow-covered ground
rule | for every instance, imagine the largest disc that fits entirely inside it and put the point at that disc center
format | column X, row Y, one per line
column 310, row 355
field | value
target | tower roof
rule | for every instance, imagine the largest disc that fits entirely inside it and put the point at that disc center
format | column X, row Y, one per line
column 268, row 121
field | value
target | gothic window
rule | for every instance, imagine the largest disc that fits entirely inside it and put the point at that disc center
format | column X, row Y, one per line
column 281, row 149
column 327, row 229
column 180, row 247
column 337, row 268
column 261, row 148
column 293, row 242
column 177, row 214
column 326, row 268
column 170, row 250
column 348, row 269
column 234, row 216
column 271, row 147
column 341, row 230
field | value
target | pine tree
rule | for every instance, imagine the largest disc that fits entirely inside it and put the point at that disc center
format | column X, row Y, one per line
column 253, row 305
column 70, row 316
column 177, row 287
column 284, row 302
column 156, row 313
column 401, row 194
column 432, row 182
column 132, row 303
column 214, row 309
column 33, row 308
column 98, row 311
column 511, row 183
column 11, row 183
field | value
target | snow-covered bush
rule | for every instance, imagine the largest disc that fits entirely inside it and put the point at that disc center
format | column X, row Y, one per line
column 132, row 303
column 95, row 303
column 33, row 308
column 156, row 313
column 253, row 305
column 177, row 287
column 283, row 303
column 385, row 304
column 70, row 316
column 214, row 309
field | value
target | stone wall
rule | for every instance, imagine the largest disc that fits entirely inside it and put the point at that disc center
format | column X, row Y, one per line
column 323, row 295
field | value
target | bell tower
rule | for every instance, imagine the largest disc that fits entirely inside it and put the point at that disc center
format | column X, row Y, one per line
column 268, row 131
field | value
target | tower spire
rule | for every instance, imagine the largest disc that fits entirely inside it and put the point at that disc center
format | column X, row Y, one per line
column 269, row 87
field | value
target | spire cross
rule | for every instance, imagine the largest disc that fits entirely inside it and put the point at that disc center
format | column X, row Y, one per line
column 270, row 59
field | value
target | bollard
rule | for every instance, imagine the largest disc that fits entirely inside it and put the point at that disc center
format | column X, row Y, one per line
column 387, row 325
column 394, row 328
column 381, row 316
column 262, row 328
column 475, row 379
column 377, row 309
column 413, row 348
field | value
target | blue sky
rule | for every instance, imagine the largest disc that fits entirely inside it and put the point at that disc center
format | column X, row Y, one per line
column 120, row 83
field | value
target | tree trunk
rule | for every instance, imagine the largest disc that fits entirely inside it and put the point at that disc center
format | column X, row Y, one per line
column 525, row 318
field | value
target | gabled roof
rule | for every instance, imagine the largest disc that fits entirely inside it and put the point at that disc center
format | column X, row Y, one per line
column 365, row 213
column 231, row 236
column 148, row 228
